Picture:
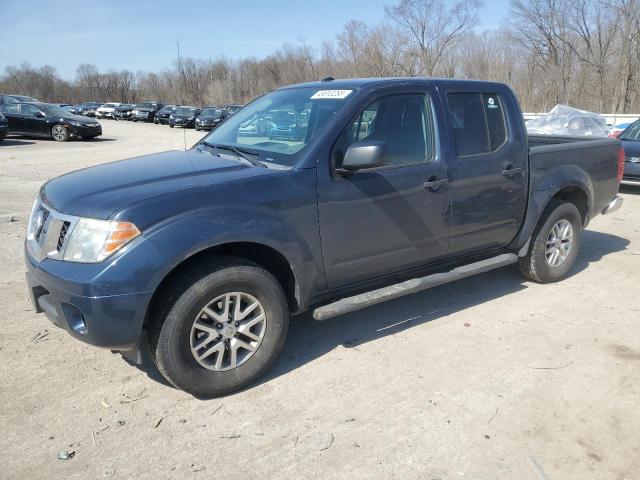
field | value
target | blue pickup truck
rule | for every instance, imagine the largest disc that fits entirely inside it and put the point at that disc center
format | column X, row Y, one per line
column 395, row 186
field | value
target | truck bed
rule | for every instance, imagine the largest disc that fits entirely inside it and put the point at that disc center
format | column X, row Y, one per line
column 597, row 157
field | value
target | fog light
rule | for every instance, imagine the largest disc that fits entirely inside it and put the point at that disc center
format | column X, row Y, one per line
column 74, row 318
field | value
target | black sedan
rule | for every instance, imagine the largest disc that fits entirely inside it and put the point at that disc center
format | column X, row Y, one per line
column 164, row 113
column 124, row 111
column 184, row 117
column 4, row 127
column 210, row 118
column 47, row 120
column 146, row 111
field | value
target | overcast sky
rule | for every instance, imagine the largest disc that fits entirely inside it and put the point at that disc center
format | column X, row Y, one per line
column 142, row 34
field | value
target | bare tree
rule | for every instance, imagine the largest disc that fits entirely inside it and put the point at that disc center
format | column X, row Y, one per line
column 433, row 28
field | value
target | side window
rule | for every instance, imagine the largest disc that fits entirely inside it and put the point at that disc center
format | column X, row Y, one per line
column 11, row 108
column 403, row 122
column 478, row 122
column 28, row 110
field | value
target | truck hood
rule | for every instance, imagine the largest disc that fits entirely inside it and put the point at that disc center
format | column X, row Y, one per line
column 100, row 191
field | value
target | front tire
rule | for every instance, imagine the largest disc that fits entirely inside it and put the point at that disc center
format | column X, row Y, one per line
column 222, row 330
column 59, row 133
column 555, row 244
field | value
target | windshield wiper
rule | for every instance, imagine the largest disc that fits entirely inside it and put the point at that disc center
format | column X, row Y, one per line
column 240, row 154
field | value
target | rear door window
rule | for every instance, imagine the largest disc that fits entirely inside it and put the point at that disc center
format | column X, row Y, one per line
column 478, row 122
column 12, row 108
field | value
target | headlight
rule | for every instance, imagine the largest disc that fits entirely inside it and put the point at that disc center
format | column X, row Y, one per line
column 171, row 117
column 94, row 240
column 74, row 123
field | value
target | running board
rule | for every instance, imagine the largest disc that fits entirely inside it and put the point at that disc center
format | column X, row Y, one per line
column 380, row 295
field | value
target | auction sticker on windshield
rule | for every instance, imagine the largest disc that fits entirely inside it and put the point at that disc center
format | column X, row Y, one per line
column 330, row 94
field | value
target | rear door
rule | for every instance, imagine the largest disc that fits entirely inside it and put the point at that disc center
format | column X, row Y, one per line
column 385, row 220
column 12, row 112
column 489, row 177
column 32, row 123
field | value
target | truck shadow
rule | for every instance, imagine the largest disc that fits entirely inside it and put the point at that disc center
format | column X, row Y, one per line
column 308, row 339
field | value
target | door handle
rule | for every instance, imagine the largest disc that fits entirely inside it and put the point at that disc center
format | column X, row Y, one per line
column 510, row 171
column 433, row 183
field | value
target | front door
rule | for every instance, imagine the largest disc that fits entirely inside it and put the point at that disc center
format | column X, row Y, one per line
column 385, row 220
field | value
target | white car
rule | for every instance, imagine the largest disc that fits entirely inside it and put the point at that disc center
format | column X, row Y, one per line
column 106, row 110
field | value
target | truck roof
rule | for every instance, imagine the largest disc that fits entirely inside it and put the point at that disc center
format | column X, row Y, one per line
column 354, row 83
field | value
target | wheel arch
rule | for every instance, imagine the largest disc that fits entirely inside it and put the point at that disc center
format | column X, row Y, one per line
column 260, row 254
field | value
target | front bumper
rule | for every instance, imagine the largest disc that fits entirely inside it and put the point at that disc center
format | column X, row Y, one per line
column 85, row 131
column 67, row 294
column 143, row 117
column 615, row 204
column 182, row 123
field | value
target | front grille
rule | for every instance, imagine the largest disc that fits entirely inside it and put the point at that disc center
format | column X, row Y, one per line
column 48, row 232
column 63, row 234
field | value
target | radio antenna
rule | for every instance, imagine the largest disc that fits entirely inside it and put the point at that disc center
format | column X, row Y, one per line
column 184, row 129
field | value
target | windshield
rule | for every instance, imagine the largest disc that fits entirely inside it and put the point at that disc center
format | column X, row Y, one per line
column 109, row 105
column 186, row 111
column 632, row 132
column 54, row 110
column 168, row 108
column 281, row 123
column 211, row 112
column 150, row 106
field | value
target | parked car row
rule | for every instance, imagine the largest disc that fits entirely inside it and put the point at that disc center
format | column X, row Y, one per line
column 186, row 116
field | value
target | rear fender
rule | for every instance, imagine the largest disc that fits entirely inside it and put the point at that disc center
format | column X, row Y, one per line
column 545, row 184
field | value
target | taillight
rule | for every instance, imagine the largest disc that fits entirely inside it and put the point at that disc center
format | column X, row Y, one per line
column 620, row 164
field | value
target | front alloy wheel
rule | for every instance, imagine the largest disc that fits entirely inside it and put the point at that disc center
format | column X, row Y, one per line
column 228, row 331
column 218, row 327
column 59, row 133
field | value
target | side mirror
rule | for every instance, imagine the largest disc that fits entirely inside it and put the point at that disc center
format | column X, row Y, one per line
column 39, row 115
column 363, row 155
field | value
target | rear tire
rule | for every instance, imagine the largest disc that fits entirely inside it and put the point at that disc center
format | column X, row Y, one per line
column 555, row 244
column 194, row 350
column 59, row 133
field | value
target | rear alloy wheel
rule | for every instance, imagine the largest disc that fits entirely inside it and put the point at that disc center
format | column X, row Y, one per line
column 59, row 133
column 554, row 244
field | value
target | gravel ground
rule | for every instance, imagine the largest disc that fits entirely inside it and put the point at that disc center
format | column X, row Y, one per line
column 492, row 377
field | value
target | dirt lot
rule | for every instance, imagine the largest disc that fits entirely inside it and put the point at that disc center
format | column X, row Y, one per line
column 490, row 377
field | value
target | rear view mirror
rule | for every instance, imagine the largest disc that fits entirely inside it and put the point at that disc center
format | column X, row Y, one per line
column 363, row 155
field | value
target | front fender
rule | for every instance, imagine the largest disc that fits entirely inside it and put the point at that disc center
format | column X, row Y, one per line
column 545, row 184
column 179, row 238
